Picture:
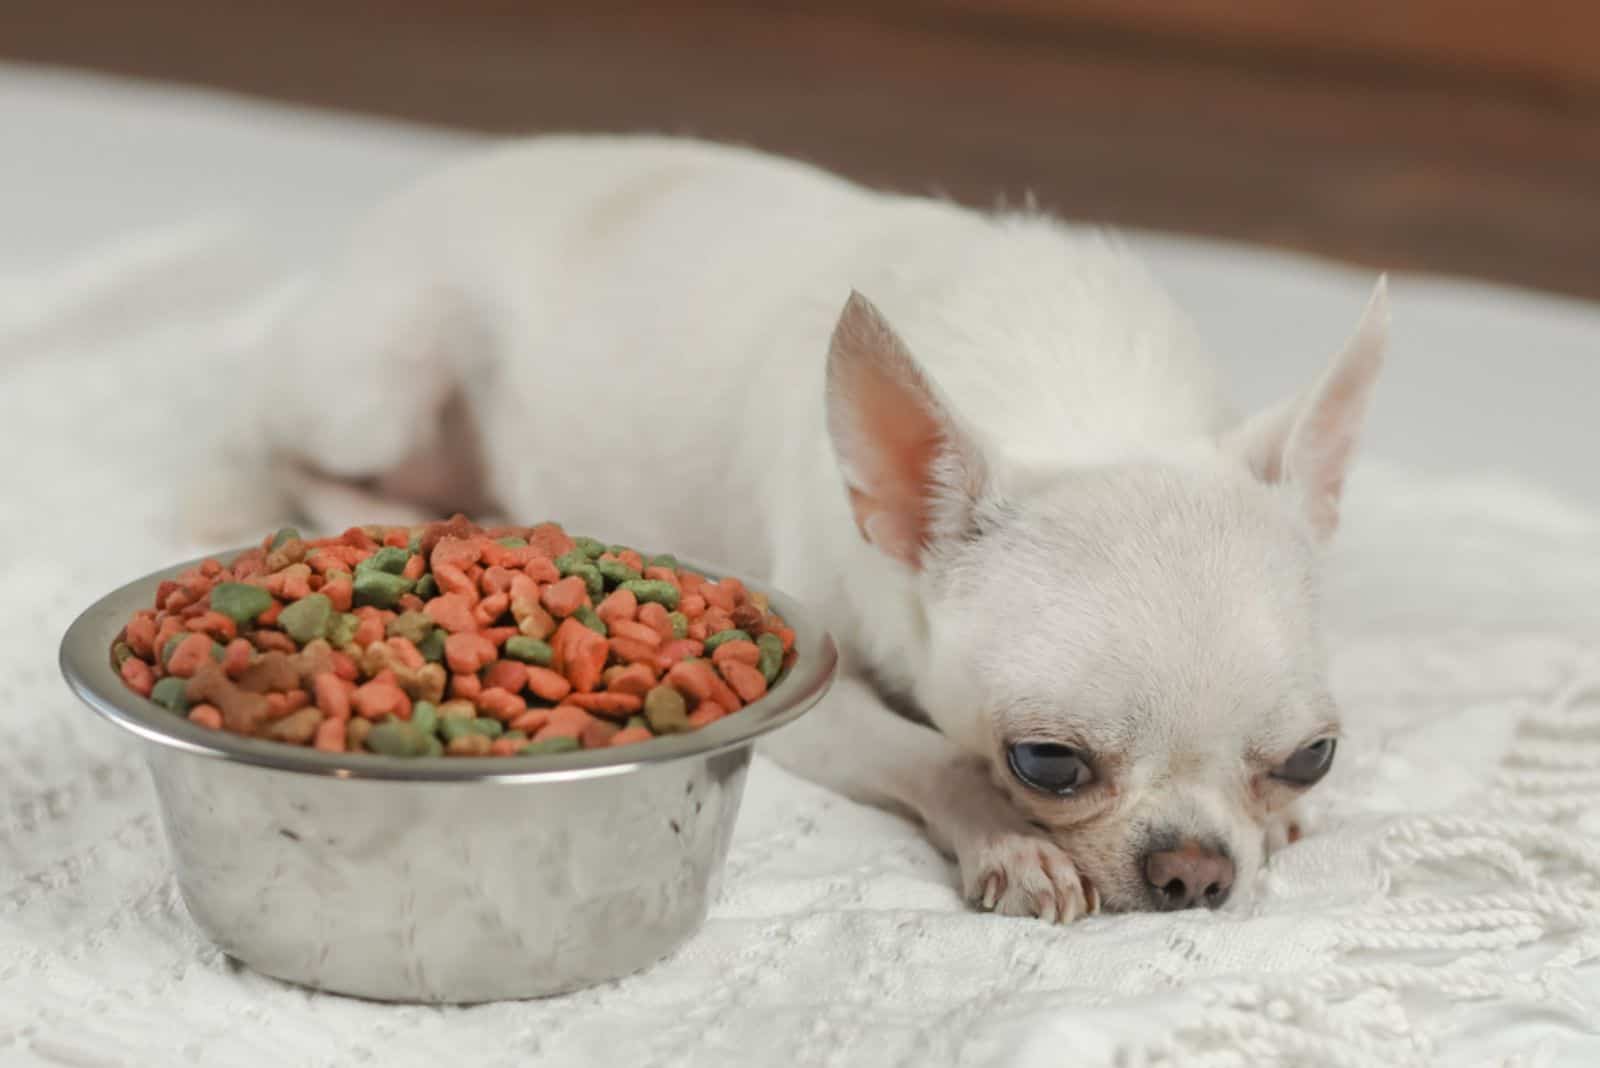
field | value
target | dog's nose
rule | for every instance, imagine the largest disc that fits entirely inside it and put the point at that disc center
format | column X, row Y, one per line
column 1188, row 876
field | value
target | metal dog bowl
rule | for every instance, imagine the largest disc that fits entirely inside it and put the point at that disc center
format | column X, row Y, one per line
column 444, row 879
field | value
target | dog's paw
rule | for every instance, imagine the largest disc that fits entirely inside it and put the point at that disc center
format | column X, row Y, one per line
column 1018, row 874
column 1286, row 827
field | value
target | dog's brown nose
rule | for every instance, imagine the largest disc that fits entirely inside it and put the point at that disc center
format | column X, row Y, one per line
column 1188, row 876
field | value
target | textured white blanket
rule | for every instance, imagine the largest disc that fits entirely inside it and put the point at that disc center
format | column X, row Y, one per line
column 1447, row 911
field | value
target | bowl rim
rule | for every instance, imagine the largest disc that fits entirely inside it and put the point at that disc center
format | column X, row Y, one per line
column 86, row 664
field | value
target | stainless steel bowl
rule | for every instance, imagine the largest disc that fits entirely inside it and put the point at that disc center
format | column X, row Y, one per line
column 444, row 879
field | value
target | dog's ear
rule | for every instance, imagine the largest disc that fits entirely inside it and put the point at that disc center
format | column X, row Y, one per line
column 1308, row 441
column 913, row 474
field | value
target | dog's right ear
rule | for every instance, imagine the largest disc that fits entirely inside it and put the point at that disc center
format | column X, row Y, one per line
column 913, row 473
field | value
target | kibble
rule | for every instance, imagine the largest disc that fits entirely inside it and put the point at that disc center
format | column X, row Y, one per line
column 543, row 643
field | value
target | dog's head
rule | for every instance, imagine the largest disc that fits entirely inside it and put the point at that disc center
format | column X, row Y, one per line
column 1134, row 646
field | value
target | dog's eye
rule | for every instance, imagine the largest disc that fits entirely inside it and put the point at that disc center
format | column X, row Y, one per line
column 1309, row 763
column 1054, row 769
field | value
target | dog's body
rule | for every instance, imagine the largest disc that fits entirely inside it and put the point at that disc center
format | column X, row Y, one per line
column 1022, row 504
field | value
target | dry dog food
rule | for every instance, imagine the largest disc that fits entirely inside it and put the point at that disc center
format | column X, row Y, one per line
column 449, row 639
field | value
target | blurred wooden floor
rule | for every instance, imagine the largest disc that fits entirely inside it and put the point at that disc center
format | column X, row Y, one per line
column 1459, row 136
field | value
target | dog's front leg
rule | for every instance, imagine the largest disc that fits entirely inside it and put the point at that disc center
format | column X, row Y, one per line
column 856, row 745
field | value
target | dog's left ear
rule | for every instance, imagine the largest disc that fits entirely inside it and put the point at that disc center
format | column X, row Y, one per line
column 1307, row 442
column 913, row 473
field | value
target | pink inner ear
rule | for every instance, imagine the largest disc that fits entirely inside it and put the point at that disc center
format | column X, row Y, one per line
column 893, row 508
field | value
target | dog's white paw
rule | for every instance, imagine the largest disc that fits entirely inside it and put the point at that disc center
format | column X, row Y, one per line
column 1018, row 874
column 1287, row 826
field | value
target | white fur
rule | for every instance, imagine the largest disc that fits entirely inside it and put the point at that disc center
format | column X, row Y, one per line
column 641, row 329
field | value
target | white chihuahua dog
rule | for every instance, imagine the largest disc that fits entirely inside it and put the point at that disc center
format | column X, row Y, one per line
column 1078, row 601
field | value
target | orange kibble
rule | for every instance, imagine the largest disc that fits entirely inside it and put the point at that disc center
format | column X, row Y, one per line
column 723, row 694
column 501, row 704
column 504, row 747
column 369, row 630
column 466, row 653
column 716, row 620
column 141, row 634
column 608, row 703
column 137, row 674
column 460, row 553
column 506, row 675
column 219, row 626
column 618, row 605
column 692, row 605
column 698, row 630
column 547, row 685
column 633, row 651
column 563, row 598
column 396, row 538
column 497, row 636
column 345, row 667
column 331, row 735
column 378, row 699
column 551, row 540
column 455, row 580
column 237, row 657
column 629, row 735
column 277, row 706
column 452, row 611
column 718, row 595
column 332, row 696
column 491, row 608
column 415, row 565
column 542, row 569
column 708, row 712
column 206, row 716
column 531, row 721
column 341, row 591
column 465, row 687
column 632, row 559
column 296, row 699
column 581, row 654
column 406, row 652
column 680, row 649
column 597, row 734
column 627, row 628
column 409, row 602
column 566, row 721
column 662, row 574
column 498, row 579
column 657, row 618
column 692, row 678
column 191, row 654
column 635, row 679
column 742, row 651
column 747, row 681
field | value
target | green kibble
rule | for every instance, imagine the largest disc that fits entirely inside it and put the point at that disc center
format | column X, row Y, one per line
column 515, row 736
column 172, row 644
column 528, row 650
column 680, row 624
column 380, row 588
column 568, row 563
column 414, row 627
column 425, row 717
column 721, row 636
column 453, row 727
column 218, row 651
column 435, row 747
column 170, row 693
column 284, row 536
column 666, row 710
column 617, row 550
column 666, row 560
column 616, row 572
column 771, row 662
column 512, row 543
column 591, row 619
column 120, row 652
column 397, row 738
column 239, row 602
column 390, row 559
column 307, row 619
column 661, row 592
column 638, row 721
column 427, row 587
column 342, row 631
column 432, row 646
column 589, row 547
column 414, row 544
column 548, row 746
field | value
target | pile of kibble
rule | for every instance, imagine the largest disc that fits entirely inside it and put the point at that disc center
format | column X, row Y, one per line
column 449, row 639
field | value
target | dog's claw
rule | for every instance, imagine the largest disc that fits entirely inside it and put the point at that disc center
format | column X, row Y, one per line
column 1091, row 896
column 1019, row 874
column 991, row 891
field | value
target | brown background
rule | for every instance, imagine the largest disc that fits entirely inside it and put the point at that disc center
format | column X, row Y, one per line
column 1460, row 136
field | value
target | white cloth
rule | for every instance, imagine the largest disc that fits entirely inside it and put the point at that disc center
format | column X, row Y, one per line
column 1446, row 912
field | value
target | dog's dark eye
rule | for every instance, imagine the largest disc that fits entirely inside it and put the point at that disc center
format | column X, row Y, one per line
column 1054, row 769
column 1309, row 763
